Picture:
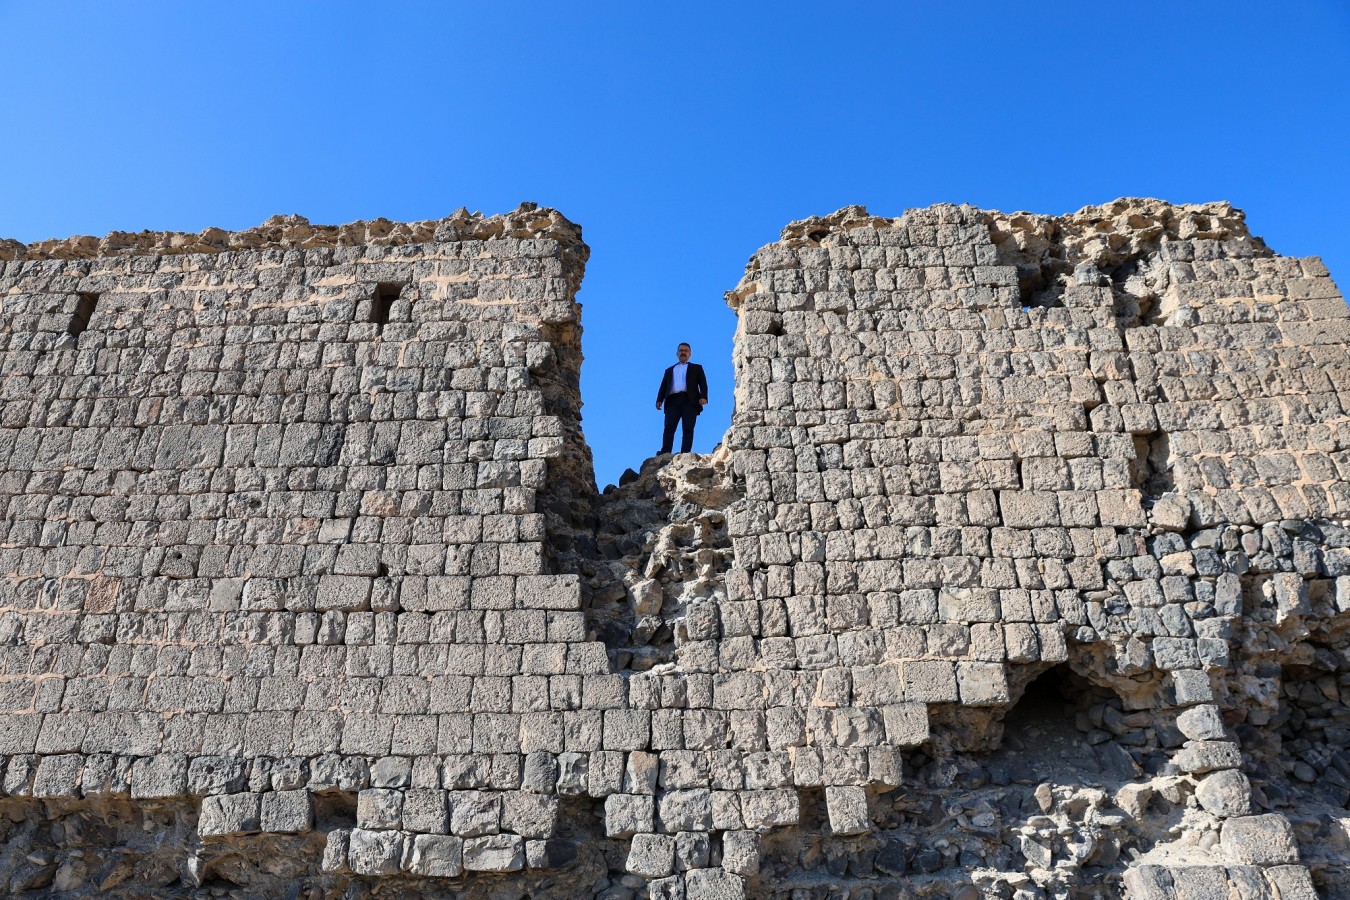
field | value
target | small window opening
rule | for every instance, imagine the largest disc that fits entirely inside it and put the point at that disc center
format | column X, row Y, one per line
column 335, row 809
column 385, row 295
column 1151, row 468
column 1047, row 699
column 84, row 311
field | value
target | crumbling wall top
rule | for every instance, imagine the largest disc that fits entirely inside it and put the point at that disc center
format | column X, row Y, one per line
column 527, row 221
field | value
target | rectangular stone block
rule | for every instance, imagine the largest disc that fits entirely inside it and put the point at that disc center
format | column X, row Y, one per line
column 475, row 813
column 436, row 856
column 375, row 852
column 230, row 814
column 288, row 812
column 494, row 853
column 651, row 855
column 906, row 724
column 763, row 810
column 530, row 815
column 58, row 776
column 847, row 810
column 380, row 808
column 713, row 884
column 344, row 593
column 930, row 681
column 629, row 814
column 689, row 810
column 626, row 729
column 159, row 777
column 1266, row 840
column 982, row 684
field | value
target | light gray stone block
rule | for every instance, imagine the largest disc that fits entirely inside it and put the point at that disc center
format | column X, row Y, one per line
column 337, row 844
column 651, row 855
column 494, row 853
column 847, row 809
column 629, row 814
column 1265, row 840
column 424, row 811
column 930, row 681
column 1198, row 757
column 344, row 593
column 379, row 808
column 1202, row 723
column 157, row 777
column 982, row 684
column 289, row 812
column 1292, row 882
column 529, row 815
column 436, row 856
column 764, row 810
column 741, row 853
column 1200, row 882
column 58, row 776
column 230, row 814
column 474, row 813
column 713, row 884
column 375, row 852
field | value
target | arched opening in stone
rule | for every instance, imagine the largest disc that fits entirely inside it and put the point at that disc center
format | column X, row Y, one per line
column 1047, row 697
column 1062, row 722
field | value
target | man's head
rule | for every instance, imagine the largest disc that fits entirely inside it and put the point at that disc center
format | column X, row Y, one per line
column 683, row 352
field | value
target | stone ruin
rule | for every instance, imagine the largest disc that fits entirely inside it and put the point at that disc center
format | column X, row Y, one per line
column 1023, row 570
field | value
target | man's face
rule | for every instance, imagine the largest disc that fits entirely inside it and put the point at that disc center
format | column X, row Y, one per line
column 683, row 353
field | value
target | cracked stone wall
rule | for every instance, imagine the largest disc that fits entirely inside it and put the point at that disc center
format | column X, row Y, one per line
column 1023, row 570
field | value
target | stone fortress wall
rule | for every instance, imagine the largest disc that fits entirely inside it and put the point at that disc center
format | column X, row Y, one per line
column 1023, row 570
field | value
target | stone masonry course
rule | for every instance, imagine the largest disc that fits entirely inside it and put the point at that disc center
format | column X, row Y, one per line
column 1023, row 570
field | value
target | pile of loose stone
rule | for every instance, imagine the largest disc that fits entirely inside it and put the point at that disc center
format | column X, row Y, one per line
column 1023, row 570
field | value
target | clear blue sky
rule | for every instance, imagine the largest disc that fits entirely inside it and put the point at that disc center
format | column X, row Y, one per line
column 681, row 136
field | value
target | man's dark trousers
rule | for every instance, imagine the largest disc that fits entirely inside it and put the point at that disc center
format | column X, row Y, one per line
column 681, row 409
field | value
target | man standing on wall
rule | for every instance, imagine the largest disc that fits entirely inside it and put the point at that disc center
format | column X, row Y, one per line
column 684, row 391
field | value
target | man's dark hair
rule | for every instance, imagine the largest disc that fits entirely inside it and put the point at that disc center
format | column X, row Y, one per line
column 683, row 344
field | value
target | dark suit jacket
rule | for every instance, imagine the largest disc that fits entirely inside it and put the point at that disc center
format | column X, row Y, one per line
column 694, row 382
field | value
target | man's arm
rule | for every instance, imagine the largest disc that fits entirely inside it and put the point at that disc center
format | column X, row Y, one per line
column 665, row 386
column 702, row 387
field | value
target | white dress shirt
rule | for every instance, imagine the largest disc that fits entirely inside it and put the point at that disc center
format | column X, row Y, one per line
column 677, row 383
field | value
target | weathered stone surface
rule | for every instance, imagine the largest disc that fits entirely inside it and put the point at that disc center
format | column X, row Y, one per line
column 380, row 808
column 741, row 853
column 1264, row 840
column 437, row 856
column 1202, row 723
column 1225, row 793
column 1200, row 882
column 375, row 852
column 1199, row 757
column 230, row 814
column 847, row 808
column 629, row 814
column 651, row 855
column 287, row 812
column 713, row 884
column 495, row 853
column 1291, row 883
column 1028, row 536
